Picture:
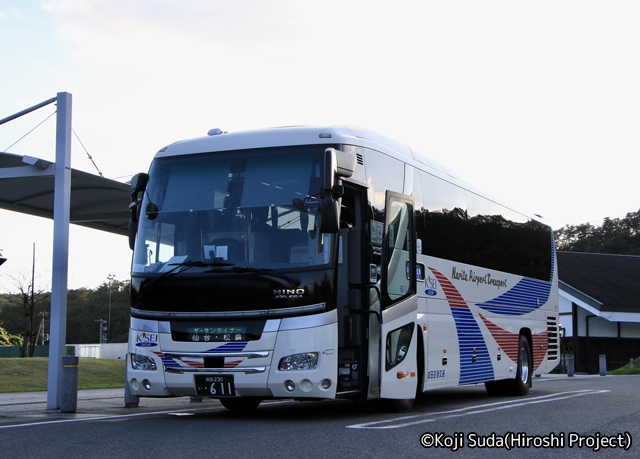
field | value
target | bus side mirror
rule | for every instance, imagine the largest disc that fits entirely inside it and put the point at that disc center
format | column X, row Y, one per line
column 138, row 185
column 337, row 164
column 329, row 213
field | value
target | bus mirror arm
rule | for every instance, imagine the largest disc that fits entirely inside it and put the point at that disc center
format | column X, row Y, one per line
column 138, row 186
column 337, row 191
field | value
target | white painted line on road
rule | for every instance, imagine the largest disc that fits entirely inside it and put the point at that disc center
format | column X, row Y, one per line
column 125, row 416
column 406, row 421
column 97, row 418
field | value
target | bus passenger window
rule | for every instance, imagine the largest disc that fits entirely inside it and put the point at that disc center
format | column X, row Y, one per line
column 400, row 273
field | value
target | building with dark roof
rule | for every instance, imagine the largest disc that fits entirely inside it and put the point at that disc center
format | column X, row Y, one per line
column 599, row 303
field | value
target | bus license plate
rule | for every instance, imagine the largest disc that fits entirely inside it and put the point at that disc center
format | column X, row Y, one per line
column 215, row 386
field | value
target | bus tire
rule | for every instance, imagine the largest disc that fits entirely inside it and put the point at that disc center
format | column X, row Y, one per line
column 496, row 387
column 521, row 384
column 389, row 405
column 241, row 403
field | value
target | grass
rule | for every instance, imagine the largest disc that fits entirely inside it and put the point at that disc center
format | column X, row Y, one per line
column 626, row 370
column 30, row 374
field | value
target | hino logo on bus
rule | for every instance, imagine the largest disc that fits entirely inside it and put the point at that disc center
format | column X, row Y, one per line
column 288, row 293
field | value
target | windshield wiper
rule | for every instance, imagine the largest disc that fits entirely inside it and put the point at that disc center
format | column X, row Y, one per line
column 186, row 265
column 202, row 264
column 239, row 269
column 248, row 269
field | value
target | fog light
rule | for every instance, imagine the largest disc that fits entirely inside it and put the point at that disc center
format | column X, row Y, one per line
column 146, row 384
column 325, row 384
column 289, row 385
column 306, row 385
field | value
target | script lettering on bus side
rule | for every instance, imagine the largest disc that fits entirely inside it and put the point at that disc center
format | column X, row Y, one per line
column 477, row 278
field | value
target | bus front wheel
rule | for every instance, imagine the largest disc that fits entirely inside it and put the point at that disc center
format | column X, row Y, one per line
column 241, row 403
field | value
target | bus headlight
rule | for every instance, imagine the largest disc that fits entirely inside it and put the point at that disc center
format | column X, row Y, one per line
column 142, row 362
column 305, row 361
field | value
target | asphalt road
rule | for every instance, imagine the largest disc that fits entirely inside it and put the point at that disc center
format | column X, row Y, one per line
column 584, row 416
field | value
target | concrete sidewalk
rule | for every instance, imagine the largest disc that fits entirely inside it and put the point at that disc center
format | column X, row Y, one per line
column 21, row 407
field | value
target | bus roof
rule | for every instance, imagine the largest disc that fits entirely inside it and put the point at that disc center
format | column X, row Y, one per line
column 218, row 140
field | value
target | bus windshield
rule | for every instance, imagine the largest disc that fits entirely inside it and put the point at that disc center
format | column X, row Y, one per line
column 214, row 211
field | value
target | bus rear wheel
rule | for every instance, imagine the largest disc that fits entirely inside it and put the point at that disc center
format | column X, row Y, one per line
column 521, row 384
column 241, row 403
column 388, row 405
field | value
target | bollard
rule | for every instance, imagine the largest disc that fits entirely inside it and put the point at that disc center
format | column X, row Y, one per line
column 603, row 364
column 631, row 364
column 570, row 365
column 69, row 395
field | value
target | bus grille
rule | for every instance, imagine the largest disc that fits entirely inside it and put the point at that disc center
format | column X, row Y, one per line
column 553, row 338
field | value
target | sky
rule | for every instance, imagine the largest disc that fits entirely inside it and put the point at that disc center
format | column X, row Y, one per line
column 534, row 103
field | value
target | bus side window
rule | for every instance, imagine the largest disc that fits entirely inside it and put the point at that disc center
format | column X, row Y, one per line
column 400, row 271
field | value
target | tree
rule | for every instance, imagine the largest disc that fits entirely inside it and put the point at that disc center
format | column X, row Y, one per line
column 7, row 339
column 616, row 236
column 22, row 308
column 86, row 306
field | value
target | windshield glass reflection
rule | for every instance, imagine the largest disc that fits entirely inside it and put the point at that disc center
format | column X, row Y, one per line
column 232, row 210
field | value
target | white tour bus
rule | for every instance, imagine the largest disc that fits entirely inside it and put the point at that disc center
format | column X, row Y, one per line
column 330, row 262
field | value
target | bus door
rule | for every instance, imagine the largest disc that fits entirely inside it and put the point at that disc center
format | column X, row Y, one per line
column 352, row 294
column 398, row 303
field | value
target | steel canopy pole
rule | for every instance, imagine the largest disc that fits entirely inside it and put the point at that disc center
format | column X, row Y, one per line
column 61, row 210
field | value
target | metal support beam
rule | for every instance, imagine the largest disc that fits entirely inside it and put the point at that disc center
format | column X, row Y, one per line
column 61, row 210
column 30, row 109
